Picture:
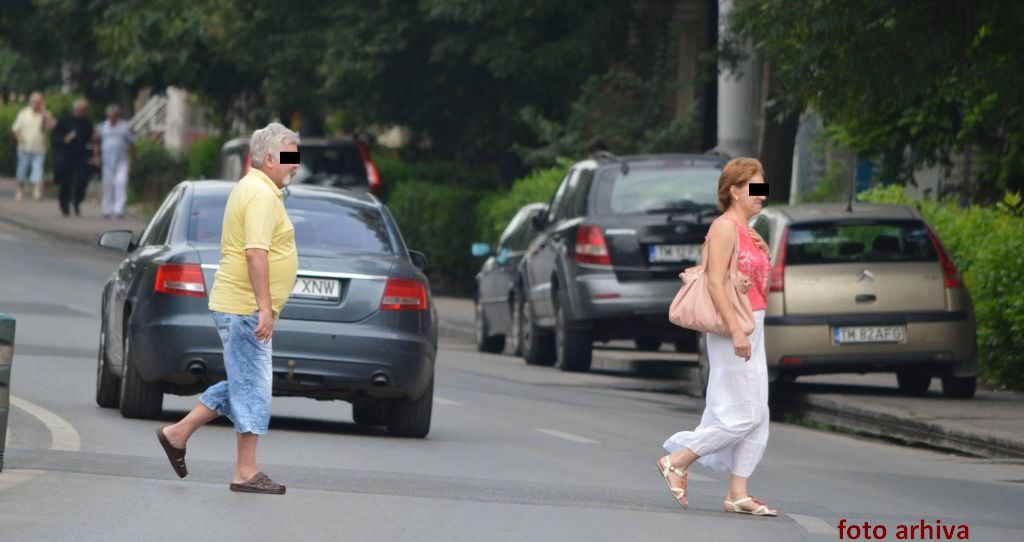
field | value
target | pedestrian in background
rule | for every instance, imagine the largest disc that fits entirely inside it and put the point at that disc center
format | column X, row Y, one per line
column 256, row 274
column 71, row 168
column 733, row 430
column 115, row 153
column 29, row 129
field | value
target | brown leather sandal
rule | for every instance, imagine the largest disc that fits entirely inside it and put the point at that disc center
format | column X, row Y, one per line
column 259, row 483
column 175, row 455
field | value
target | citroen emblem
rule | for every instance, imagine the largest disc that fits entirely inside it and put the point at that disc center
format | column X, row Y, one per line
column 865, row 275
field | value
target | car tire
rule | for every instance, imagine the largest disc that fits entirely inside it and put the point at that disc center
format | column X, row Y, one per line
column 648, row 343
column 370, row 413
column 913, row 383
column 574, row 345
column 485, row 342
column 538, row 344
column 139, row 399
column 514, row 334
column 700, row 388
column 108, row 387
column 411, row 417
column 687, row 344
column 959, row 387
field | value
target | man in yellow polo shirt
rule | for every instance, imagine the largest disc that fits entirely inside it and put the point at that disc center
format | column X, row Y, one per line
column 256, row 274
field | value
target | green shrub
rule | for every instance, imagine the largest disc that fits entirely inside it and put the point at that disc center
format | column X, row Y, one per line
column 204, row 157
column 498, row 207
column 8, row 146
column 394, row 171
column 987, row 245
column 438, row 220
column 153, row 173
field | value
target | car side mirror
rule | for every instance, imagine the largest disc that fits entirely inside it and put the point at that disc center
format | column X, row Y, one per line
column 120, row 240
column 503, row 256
column 539, row 221
column 481, row 249
column 419, row 259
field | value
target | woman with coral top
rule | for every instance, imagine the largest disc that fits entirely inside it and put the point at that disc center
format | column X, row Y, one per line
column 733, row 430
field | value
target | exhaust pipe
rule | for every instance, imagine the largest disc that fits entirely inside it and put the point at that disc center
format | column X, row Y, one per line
column 380, row 380
column 196, row 368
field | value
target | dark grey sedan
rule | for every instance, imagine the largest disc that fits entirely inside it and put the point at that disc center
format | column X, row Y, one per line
column 359, row 326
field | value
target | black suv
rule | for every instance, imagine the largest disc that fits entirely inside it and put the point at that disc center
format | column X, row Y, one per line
column 606, row 262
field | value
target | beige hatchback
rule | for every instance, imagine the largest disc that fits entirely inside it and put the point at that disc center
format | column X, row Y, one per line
column 867, row 290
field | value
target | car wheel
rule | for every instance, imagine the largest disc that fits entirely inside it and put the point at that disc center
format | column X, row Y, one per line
column 687, row 344
column 538, row 345
column 370, row 413
column 959, row 388
column 108, row 393
column 485, row 342
column 912, row 383
column 574, row 347
column 411, row 417
column 517, row 338
column 139, row 399
column 703, row 368
column 647, row 344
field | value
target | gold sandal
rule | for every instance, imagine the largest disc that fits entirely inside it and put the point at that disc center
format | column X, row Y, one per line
column 678, row 492
column 738, row 506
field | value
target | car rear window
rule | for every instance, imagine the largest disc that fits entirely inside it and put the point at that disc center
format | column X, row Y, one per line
column 334, row 165
column 648, row 190
column 824, row 243
column 322, row 226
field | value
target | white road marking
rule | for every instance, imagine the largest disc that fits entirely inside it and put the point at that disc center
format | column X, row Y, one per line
column 446, row 402
column 814, row 525
column 63, row 436
column 566, row 436
column 12, row 477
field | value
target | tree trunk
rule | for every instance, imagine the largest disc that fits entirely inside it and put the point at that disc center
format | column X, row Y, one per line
column 778, row 137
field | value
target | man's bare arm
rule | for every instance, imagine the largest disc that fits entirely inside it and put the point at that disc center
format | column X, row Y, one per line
column 259, row 276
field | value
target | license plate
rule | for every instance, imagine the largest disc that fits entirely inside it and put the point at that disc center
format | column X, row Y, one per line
column 673, row 253
column 869, row 334
column 310, row 288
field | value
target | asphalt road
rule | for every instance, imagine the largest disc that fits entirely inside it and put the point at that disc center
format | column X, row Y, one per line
column 516, row 453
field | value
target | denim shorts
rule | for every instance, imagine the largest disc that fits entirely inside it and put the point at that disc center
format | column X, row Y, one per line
column 30, row 166
column 245, row 396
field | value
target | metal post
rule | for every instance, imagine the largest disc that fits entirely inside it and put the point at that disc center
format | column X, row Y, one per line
column 6, row 359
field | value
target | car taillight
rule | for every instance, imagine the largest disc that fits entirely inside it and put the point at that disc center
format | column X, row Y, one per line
column 404, row 295
column 372, row 175
column 777, row 279
column 180, row 279
column 950, row 276
column 590, row 246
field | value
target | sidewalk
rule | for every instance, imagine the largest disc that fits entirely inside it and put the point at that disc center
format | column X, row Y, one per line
column 990, row 425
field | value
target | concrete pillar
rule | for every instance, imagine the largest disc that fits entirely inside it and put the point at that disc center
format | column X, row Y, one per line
column 176, row 125
column 737, row 99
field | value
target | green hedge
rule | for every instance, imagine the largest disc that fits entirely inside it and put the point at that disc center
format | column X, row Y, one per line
column 438, row 219
column 154, row 172
column 204, row 157
column 987, row 245
column 498, row 207
column 8, row 146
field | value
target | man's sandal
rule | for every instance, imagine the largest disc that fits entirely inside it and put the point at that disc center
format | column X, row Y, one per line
column 749, row 505
column 678, row 492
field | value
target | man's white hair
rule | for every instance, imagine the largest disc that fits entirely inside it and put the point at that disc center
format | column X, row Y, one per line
column 269, row 140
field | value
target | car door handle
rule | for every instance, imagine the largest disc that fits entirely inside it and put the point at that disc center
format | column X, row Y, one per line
column 865, row 298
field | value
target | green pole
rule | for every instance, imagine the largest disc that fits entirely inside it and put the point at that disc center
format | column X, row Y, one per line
column 6, row 359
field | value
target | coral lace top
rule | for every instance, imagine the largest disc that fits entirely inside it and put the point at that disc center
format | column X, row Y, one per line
column 755, row 264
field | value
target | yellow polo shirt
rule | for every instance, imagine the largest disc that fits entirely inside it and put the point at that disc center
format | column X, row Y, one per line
column 254, row 217
column 29, row 126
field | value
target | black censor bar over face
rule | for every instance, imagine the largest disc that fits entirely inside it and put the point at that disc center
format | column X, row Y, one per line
column 289, row 157
column 758, row 189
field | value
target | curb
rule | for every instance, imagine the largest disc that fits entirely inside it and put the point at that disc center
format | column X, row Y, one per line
column 83, row 237
column 907, row 430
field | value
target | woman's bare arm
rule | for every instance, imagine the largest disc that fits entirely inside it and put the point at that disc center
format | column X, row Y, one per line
column 721, row 239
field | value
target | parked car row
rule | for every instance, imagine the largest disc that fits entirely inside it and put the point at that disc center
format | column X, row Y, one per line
column 868, row 288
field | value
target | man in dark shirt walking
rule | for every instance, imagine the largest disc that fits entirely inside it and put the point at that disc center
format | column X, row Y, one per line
column 71, row 157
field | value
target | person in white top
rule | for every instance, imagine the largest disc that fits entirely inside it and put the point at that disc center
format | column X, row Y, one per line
column 115, row 153
column 30, row 132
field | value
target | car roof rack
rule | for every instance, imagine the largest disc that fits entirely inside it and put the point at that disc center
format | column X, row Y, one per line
column 605, row 155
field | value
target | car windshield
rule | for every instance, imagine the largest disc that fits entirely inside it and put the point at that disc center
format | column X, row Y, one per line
column 323, row 226
column 825, row 243
column 659, row 190
column 333, row 165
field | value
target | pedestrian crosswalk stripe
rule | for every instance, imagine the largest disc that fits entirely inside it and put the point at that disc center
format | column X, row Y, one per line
column 446, row 402
column 566, row 436
column 813, row 525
